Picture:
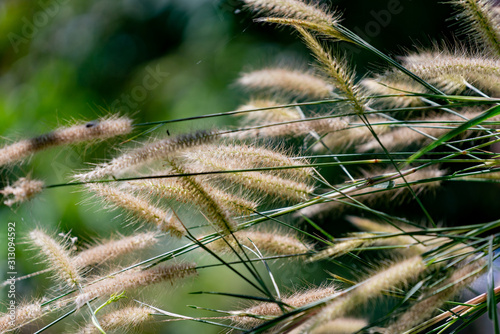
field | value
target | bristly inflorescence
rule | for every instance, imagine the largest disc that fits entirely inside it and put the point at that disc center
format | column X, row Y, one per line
column 99, row 129
column 22, row 190
column 129, row 281
column 57, row 257
column 481, row 22
column 287, row 81
column 139, row 207
column 146, row 154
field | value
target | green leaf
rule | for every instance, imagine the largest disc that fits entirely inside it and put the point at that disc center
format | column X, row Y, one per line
column 491, row 300
column 494, row 111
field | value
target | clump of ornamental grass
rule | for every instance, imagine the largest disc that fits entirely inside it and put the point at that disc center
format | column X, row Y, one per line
column 311, row 145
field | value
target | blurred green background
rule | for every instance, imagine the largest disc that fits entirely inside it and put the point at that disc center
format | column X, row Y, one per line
column 64, row 60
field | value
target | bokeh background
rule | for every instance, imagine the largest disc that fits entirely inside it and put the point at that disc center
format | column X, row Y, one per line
column 64, row 60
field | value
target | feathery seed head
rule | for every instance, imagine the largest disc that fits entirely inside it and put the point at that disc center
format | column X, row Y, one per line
column 268, row 242
column 100, row 129
column 337, row 70
column 57, row 256
column 22, row 190
column 480, row 22
column 114, row 248
column 122, row 319
column 348, row 137
column 267, row 122
column 451, row 70
column 140, row 208
column 24, row 313
column 341, row 326
column 299, row 299
column 134, row 279
column 386, row 85
column 147, row 153
column 173, row 189
column 292, row 82
column 274, row 114
column 432, row 301
column 283, row 186
column 265, row 183
column 393, row 276
column 294, row 9
column 342, row 248
column 208, row 204
column 252, row 156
